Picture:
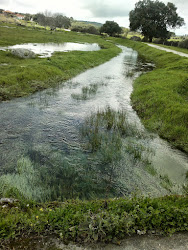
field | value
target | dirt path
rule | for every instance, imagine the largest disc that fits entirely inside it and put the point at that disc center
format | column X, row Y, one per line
column 177, row 241
column 168, row 50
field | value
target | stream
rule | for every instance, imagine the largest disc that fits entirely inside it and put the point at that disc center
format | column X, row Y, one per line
column 40, row 140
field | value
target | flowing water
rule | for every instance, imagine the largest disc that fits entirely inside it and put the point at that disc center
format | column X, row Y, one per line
column 40, row 135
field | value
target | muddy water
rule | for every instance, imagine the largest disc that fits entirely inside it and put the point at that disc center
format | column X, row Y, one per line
column 49, row 122
column 47, row 49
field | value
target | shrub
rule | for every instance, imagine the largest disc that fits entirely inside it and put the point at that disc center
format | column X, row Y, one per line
column 135, row 38
column 144, row 39
column 85, row 29
column 183, row 44
column 158, row 41
column 99, row 220
column 165, row 42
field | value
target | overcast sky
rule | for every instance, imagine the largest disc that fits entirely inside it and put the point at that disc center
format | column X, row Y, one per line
column 91, row 10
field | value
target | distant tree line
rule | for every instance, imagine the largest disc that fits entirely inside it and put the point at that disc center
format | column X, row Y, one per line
column 85, row 28
column 53, row 21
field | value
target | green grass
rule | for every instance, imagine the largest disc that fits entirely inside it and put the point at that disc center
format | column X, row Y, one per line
column 160, row 97
column 21, row 77
column 97, row 220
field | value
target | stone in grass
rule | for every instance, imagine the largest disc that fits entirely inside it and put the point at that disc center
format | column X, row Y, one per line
column 8, row 202
column 23, row 53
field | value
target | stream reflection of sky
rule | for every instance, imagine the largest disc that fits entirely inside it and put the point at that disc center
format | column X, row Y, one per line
column 47, row 49
column 49, row 120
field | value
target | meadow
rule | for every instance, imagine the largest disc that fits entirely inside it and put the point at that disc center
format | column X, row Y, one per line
column 20, row 77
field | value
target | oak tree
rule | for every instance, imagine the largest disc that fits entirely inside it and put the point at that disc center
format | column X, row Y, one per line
column 111, row 28
column 154, row 18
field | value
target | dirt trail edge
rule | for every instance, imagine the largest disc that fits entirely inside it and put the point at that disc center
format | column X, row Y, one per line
column 178, row 241
column 168, row 50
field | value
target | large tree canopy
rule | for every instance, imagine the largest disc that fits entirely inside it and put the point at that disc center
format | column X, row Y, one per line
column 154, row 18
column 111, row 28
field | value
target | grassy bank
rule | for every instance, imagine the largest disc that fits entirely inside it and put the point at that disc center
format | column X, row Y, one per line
column 21, row 77
column 161, row 96
column 99, row 220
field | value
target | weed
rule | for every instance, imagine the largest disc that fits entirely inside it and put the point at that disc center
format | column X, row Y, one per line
column 87, row 92
column 165, row 181
column 99, row 220
column 150, row 169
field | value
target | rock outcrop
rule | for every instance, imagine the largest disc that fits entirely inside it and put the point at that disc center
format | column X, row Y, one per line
column 23, row 53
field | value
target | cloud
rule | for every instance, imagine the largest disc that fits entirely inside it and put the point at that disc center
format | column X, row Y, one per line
column 108, row 8
column 24, row 4
column 95, row 10
column 4, row 2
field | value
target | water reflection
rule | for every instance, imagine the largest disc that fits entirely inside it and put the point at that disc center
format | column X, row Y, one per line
column 47, row 49
column 43, row 129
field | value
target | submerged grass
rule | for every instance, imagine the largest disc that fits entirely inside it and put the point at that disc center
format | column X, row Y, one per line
column 108, row 123
column 92, row 170
column 161, row 96
column 87, row 92
column 21, row 77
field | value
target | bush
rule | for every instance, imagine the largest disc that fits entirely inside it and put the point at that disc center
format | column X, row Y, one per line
column 174, row 43
column 158, row 41
column 145, row 39
column 183, row 44
column 85, row 29
column 135, row 38
column 96, row 221
column 165, row 42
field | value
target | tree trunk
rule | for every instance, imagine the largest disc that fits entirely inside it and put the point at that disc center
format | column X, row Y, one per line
column 150, row 39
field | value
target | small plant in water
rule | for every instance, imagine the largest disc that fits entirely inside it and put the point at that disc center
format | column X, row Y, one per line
column 93, row 170
column 87, row 92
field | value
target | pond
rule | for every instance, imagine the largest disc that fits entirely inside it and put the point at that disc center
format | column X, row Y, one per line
column 47, row 49
column 83, row 139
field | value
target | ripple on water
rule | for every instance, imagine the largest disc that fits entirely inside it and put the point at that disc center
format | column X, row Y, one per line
column 46, row 127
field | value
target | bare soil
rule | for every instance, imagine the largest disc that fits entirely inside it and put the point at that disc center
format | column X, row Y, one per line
column 177, row 241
